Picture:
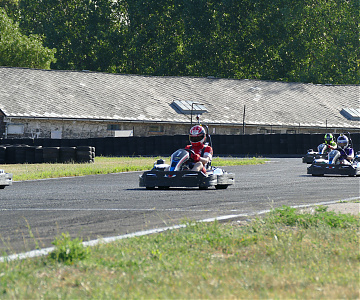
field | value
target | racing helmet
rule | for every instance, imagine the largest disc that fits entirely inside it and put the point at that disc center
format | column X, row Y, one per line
column 328, row 138
column 343, row 141
column 197, row 135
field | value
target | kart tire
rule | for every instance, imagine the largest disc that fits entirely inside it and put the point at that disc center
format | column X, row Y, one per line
column 163, row 187
column 221, row 186
column 150, row 188
column 2, row 187
column 319, row 175
column 203, row 187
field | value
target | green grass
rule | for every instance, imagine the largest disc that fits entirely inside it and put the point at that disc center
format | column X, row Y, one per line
column 284, row 255
column 102, row 165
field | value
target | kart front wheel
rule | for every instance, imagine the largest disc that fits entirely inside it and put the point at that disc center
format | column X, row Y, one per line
column 164, row 187
column 203, row 187
column 221, row 186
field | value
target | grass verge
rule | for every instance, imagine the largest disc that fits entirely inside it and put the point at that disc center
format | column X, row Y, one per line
column 102, row 165
column 284, row 255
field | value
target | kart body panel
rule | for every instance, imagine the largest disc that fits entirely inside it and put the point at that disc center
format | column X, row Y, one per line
column 178, row 174
column 5, row 179
column 323, row 168
column 334, row 166
column 311, row 155
column 164, row 179
column 322, row 153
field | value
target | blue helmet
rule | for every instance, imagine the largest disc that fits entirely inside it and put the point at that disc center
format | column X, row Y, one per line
column 343, row 141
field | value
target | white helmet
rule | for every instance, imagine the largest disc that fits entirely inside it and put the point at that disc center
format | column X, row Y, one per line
column 197, row 135
column 343, row 141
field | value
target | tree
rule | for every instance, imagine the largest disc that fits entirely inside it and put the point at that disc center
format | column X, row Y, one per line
column 18, row 50
column 300, row 40
column 87, row 34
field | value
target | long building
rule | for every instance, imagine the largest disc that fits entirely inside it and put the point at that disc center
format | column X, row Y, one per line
column 81, row 104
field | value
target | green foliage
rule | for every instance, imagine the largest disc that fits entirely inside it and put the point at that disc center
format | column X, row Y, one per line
column 18, row 50
column 67, row 250
column 11, row 7
column 86, row 34
column 309, row 41
column 321, row 217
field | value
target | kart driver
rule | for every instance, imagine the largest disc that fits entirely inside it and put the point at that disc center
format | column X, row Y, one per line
column 329, row 141
column 202, row 152
column 346, row 152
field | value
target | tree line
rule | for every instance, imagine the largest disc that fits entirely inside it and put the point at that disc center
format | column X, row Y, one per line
column 297, row 41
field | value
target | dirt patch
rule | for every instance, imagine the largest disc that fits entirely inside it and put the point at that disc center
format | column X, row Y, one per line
column 345, row 208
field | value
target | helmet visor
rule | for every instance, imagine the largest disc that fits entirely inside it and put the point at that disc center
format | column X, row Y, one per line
column 342, row 144
column 197, row 138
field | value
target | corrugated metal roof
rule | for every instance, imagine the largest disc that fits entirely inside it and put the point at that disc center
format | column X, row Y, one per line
column 103, row 96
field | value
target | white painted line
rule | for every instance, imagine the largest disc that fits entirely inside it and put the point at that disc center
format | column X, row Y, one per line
column 46, row 251
column 121, row 209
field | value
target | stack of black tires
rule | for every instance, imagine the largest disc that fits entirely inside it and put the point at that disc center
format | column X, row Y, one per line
column 19, row 154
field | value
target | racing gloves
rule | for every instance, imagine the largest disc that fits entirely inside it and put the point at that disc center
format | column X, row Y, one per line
column 195, row 157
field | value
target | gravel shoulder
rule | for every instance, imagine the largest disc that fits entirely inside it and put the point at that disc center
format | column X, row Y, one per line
column 345, row 207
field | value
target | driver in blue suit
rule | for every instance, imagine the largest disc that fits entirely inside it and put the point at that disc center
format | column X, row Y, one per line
column 346, row 152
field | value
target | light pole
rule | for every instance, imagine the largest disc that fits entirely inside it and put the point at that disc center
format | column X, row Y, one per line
column 192, row 107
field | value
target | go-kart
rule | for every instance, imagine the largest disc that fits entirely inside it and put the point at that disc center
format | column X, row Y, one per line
column 322, row 153
column 334, row 166
column 178, row 174
column 5, row 179
column 357, row 157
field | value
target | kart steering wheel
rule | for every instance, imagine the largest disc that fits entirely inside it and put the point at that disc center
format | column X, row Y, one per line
column 190, row 152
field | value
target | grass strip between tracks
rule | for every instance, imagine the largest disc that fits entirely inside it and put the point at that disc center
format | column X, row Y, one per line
column 287, row 254
column 103, row 165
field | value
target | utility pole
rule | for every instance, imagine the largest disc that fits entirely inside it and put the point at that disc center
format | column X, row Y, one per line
column 243, row 130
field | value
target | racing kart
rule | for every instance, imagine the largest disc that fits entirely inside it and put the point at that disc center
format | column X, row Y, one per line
column 333, row 166
column 5, row 179
column 320, row 154
column 178, row 174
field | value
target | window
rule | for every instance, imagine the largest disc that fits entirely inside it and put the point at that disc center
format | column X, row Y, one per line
column 352, row 114
column 156, row 128
column 113, row 127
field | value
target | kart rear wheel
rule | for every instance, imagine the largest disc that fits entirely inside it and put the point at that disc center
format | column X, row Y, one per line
column 2, row 186
column 221, row 186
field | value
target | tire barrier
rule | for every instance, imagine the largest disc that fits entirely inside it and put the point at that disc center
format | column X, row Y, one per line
column 85, row 154
column 235, row 145
column 67, row 154
column 20, row 154
column 2, row 154
column 51, row 154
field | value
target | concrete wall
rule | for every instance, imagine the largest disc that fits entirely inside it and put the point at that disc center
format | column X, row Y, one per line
column 79, row 129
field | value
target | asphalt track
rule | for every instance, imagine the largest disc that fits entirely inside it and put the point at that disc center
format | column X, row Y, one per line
column 33, row 213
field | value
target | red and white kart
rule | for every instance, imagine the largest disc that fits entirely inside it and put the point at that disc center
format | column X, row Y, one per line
column 178, row 174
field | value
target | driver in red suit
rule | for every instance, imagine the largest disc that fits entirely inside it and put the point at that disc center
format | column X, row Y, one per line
column 202, row 152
